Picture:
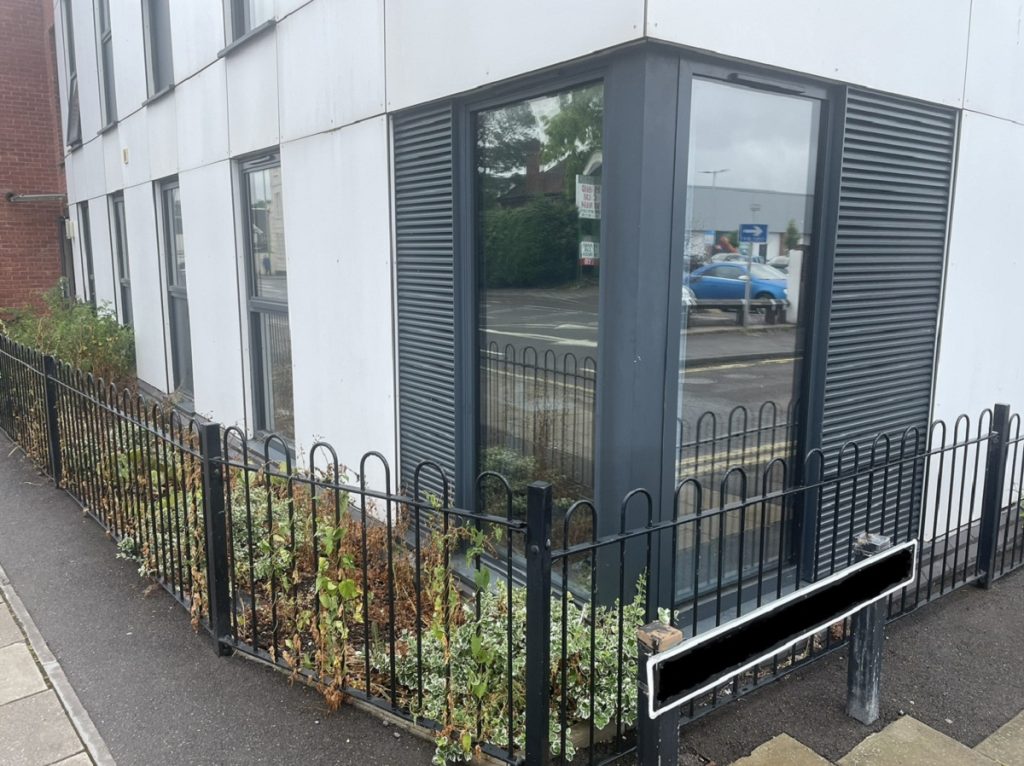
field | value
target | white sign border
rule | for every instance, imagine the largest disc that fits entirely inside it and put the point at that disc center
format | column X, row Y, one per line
column 767, row 608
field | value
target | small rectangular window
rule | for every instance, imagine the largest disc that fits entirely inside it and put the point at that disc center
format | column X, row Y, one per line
column 105, row 56
column 156, row 19
column 119, row 238
column 73, row 131
column 246, row 15
column 173, row 246
column 267, row 281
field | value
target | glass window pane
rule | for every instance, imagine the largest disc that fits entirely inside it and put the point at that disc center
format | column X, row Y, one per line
column 268, row 267
column 181, row 344
column 539, row 167
column 176, row 242
column 159, row 25
column 276, row 358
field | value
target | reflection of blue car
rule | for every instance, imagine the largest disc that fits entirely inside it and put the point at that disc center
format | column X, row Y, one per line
column 727, row 281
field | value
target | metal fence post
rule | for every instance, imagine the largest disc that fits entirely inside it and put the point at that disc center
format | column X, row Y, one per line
column 216, row 537
column 657, row 739
column 538, row 620
column 52, row 425
column 867, row 640
column 992, row 497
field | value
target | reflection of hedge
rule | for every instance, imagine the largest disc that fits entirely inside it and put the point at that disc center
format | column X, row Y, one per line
column 534, row 245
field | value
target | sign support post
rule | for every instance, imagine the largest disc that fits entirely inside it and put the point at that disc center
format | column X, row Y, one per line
column 657, row 739
column 867, row 640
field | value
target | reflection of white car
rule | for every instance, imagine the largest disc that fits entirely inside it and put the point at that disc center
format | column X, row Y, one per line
column 689, row 299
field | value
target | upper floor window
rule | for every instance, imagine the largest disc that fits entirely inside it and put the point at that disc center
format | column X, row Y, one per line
column 156, row 20
column 246, row 15
column 73, row 132
column 105, row 56
column 173, row 243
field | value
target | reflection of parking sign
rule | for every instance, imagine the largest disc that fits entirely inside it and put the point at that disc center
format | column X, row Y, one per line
column 588, row 196
column 589, row 253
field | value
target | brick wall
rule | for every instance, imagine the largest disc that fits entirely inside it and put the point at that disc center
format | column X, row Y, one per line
column 31, row 160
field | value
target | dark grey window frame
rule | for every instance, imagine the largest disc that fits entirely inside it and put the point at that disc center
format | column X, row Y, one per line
column 105, row 44
column 156, row 27
column 256, row 305
column 119, row 251
column 177, row 294
column 73, row 132
column 86, row 239
column 239, row 25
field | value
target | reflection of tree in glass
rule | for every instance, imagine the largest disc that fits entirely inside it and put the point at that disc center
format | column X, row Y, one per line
column 573, row 133
column 504, row 139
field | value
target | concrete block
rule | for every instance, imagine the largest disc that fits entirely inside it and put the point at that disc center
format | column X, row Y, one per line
column 782, row 749
column 1006, row 745
column 19, row 674
column 34, row 731
column 908, row 742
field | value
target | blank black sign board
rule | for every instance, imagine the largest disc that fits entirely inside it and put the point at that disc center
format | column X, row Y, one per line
column 700, row 664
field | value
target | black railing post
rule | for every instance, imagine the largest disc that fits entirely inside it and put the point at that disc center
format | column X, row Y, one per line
column 867, row 640
column 992, row 497
column 216, row 537
column 538, row 620
column 52, row 426
column 657, row 739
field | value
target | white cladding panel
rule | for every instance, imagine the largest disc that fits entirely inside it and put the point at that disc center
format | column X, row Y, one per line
column 337, row 213
column 331, row 65
column 911, row 47
column 89, row 169
column 134, row 136
column 975, row 368
column 147, row 295
column 996, row 60
column 211, row 263
column 252, row 96
column 102, row 254
column 88, row 76
column 129, row 55
column 161, row 121
column 197, row 34
column 437, row 49
column 202, row 118
column 112, row 163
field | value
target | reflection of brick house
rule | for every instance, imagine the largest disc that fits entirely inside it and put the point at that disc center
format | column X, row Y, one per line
column 31, row 168
column 549, row 182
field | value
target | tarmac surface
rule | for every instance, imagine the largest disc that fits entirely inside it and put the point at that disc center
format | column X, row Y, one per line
column 955, row 665
column 156, row 692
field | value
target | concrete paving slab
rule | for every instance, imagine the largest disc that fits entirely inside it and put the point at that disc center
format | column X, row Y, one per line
column 19, row 674
column 10, row 633
column 782, row 749
column 908, row 742
column 76, row 760
column 35, row 732
column 1006, row 745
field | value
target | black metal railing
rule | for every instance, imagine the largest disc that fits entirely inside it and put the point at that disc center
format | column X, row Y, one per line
column 511, row 625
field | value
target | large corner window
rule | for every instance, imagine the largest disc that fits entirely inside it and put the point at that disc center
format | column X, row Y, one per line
column 73, row 131
column 538, row 227
column 86, row 242
column 173, row 242
column 119, row 237
column 267, row 284
column 105, row 59
column 156, row 22
column 245, row 15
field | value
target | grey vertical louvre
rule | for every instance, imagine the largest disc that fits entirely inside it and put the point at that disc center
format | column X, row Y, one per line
column 424, row 247
column 897, row 164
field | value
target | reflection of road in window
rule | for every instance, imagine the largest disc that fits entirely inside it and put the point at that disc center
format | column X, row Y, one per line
column 539, row 170
column 752, row 160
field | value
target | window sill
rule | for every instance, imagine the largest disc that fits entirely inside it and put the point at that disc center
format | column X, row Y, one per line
column 252, row 34
column 159, row 94
column 73, row 146
column 107, row 128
